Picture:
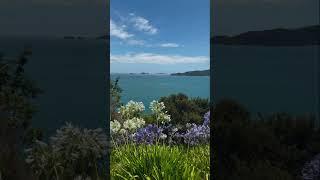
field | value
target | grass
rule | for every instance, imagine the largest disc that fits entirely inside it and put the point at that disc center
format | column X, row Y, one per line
column 160, row 162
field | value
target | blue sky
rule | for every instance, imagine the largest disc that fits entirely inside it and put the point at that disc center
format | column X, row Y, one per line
column 159, row 36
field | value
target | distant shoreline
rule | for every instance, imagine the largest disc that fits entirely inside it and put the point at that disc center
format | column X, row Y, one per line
column 193, row 73
column 140, row 74
column 305, row 36
column 188, row 73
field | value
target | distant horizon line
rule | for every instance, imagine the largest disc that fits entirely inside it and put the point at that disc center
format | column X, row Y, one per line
column 96, row 35
column 156, row 72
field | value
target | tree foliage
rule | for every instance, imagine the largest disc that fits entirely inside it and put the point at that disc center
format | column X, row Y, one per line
column 16, row 110
column 184, row 109
column 115, row 98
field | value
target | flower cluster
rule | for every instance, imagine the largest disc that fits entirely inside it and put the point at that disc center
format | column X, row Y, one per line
column 133, row 124
column 80, row 142
column 311, row 170
column 130, row 114
column 115, row 126
column 128, row 125
column 197, row 134
column 158, row 110
column 149, row 134
column 68, row 150
column 207, row 119
column 131, row 109
column 156, row 106
column 133, row 128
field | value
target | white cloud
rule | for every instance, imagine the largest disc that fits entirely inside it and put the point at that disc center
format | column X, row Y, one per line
column 170, row 45
column 151, row 58
column 135, row 42
column 142, row 24
column 119, row 31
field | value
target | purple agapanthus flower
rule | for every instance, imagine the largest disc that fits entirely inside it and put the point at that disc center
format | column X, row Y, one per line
column 149, row 134
column 311, row 170
column 194, row 135
column 197, row 134
column 206, row 119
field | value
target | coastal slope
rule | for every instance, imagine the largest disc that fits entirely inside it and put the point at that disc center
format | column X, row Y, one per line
column 309, row 35
column 193, row 73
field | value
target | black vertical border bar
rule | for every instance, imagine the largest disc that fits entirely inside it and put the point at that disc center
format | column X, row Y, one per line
column 317, row 78
column 107, row 86
column 212, row 86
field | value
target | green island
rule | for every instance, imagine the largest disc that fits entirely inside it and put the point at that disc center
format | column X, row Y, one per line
column 193, row 73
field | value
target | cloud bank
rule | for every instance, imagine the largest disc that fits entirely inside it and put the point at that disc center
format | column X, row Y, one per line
column 142, row 24
column 118, row 31
column 172, row 45
column 151, row 58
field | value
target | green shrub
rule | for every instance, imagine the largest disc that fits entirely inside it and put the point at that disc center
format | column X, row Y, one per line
column 270, row 147
column 228, row 110
column 72, row 153
column 185, row 110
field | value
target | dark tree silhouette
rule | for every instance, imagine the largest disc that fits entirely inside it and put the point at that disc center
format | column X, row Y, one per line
column 16, row 110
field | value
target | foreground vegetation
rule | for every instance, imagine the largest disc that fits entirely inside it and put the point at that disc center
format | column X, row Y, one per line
column 17, row 92
column 158, row 150
column 275, row 146
column 160, row 162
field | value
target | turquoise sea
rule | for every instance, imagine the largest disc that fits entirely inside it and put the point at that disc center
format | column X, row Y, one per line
column 145, row 88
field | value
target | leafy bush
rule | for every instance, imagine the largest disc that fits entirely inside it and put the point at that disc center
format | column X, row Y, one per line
column 229, row 110
column 185, row 110
column 72, row 153
column 267, row 147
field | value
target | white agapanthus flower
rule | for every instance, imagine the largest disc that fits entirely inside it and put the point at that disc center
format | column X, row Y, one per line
column 174, row 130
column 156, row 106
column 128, row 124
column 134, row 123
column 188, row 125
column 131, row 109
column 122, row 131
column 163, row 136
column 115, row 126
column 158, row 110
column 165, row 118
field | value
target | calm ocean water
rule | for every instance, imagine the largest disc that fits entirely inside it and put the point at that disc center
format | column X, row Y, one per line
column 145, row 88
column 268, row 79
column 71, row 73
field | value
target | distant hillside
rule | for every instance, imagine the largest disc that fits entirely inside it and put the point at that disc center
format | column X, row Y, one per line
column 275, row 37
column 193, row 73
